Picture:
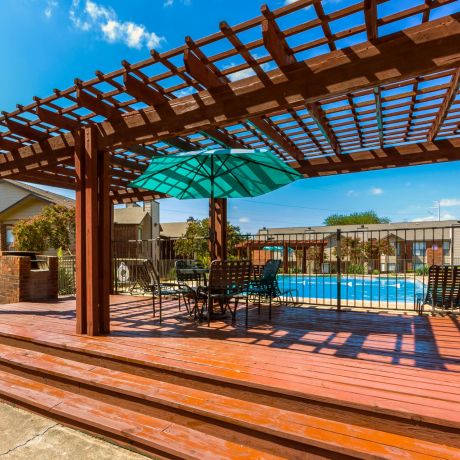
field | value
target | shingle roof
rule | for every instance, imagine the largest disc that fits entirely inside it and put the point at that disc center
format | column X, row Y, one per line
column 129, row 216
column 173, row 229
column 51, row 197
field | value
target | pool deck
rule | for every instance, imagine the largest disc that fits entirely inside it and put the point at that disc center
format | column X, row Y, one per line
column 391, row 379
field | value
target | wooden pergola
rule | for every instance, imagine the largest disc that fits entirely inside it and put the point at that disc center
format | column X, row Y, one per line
column 327, row 97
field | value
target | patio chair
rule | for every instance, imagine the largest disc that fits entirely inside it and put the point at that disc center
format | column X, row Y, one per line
column 443, row 292
column 191, row 282
column 159, row 288
column 228, row 280
column 266, row 285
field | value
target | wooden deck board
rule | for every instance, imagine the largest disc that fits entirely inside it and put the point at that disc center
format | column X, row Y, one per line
column 399, row 365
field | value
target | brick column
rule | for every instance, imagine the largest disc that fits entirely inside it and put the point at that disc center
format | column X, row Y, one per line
column 2, row 237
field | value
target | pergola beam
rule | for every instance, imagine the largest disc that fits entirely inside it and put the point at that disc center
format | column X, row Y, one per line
column 98, row 106
column 449, row 99
column 388, row 157
column 423, row 48
column 275, row 136
column 318, row 115
column 274, row 41
column 370, row 16
column 26, row 131
column 56, row 119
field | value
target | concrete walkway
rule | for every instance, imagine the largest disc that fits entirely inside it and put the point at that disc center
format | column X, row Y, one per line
column 24, row 435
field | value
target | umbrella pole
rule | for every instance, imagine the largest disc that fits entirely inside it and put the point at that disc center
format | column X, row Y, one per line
column 212, row 233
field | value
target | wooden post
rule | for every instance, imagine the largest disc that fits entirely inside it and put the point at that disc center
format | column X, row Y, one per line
column 93, row 235
column 80, row 241
column 218, row 229
column 105, row 240
column 304, row 258
column 93, row 263
column 285, row 258
column 221, row 228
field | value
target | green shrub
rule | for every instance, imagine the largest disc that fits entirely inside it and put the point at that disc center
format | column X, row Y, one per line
column 422, row 271
column 376, row 272
column 355, row 269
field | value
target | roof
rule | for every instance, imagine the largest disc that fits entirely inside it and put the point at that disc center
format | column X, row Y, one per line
column 404, row 230
column 173, row 229
column 51, row 197
column 375, row 98
column 351, row 228
column 129, row 216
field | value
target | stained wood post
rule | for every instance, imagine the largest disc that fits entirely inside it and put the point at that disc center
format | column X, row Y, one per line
column 218, row 229
column 221, row 228
column 104, row 235
column 93, row 235
column 80, row 240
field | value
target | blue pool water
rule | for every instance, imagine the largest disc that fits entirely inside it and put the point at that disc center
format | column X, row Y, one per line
column 359, row 288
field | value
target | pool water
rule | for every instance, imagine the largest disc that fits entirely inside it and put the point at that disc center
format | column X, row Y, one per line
column 359, row 288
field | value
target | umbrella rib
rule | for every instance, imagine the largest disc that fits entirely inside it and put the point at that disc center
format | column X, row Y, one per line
column 193, row 178
column 241, row 183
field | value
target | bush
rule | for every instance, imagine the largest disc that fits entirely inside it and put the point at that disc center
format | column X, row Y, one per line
column 375, row 272
column 422, row 271
column 355, row 269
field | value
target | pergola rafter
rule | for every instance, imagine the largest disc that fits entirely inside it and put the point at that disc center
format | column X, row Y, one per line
column 356, row 97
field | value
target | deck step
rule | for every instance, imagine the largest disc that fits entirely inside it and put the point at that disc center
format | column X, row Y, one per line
column 369, row 396
column 158, row 434
column 147, row 433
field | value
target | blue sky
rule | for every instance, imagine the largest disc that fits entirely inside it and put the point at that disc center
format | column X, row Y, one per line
column 47, row 43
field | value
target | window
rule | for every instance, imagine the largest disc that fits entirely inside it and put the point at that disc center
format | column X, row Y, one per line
column 419, row 248
column 446, row 248
column 9, row 238
column 139, row 233
column 399, row 249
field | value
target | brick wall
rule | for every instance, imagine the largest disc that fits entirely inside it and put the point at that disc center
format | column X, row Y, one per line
column 19, row 283
column 2, row 237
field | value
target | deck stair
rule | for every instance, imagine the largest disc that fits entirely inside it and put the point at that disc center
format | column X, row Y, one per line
column 167, row 410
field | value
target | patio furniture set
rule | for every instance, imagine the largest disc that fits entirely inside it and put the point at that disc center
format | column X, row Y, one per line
column 443, row 290
column 210, row 293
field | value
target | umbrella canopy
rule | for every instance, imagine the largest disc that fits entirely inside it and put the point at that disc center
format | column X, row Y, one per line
column 216, row 173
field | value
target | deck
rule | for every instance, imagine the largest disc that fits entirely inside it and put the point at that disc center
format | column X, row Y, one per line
column 312, row 383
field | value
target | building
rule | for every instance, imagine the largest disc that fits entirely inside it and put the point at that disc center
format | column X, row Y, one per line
column 135, row 229
column 20, row 201
column 394, row 247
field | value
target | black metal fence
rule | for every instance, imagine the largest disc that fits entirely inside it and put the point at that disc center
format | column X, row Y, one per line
column 374, row 268
column 66, row 275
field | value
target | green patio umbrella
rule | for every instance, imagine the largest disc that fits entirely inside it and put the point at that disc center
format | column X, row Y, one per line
column 216, row 173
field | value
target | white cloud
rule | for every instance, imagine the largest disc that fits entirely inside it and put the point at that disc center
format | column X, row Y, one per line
column 51, row 5
column 448, row 202
column 167, row 3
column 245, row 73
column 432, row 218
column 92, row 16
column 243, row 220
column 376, row 191
column 352, row 193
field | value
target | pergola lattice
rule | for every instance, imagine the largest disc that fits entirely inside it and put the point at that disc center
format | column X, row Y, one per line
column 329, row 90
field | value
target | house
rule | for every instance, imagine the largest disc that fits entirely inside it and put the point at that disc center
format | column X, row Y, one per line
column 135, row 230
column 395, row 247
column 20, row 201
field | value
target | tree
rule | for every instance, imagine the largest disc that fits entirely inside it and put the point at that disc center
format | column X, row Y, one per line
column 351, row 249
column 375, row 248
column 53, row 228
column 365, row 217
column 195, row 243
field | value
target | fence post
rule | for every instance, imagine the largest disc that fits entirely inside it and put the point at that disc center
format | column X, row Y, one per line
column 339, row 269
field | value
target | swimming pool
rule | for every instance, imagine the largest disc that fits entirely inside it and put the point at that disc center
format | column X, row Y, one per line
column 354, row 288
